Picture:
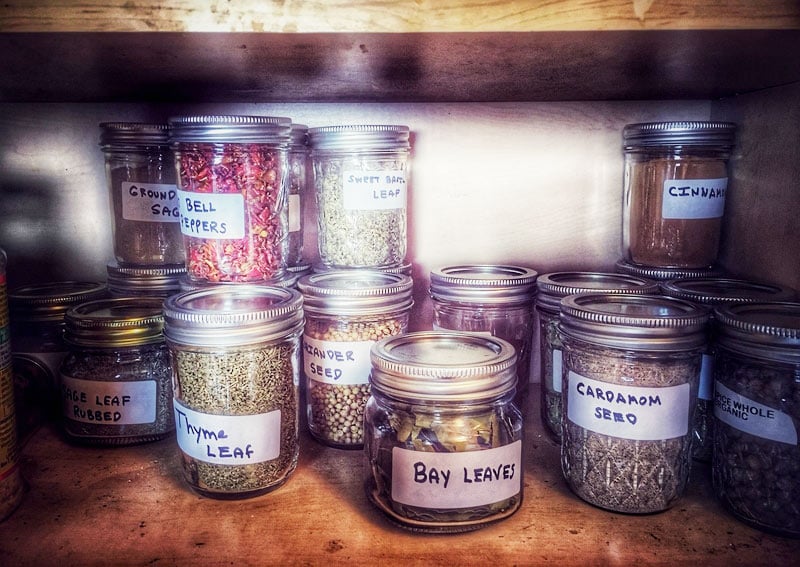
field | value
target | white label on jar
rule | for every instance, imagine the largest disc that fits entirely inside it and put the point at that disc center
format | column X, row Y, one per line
column 558, row 366
column 334, row 362
column 212, row 215
column 694, row 198
column 150, row 202
column 456, row 480
column 294, row 213
column 706, row 390
column 373, row 190
column 109, row 403
column 628, row 412
column 748, row 416
column 228, row 439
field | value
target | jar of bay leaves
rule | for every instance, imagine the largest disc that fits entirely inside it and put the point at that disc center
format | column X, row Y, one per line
column 360, row 177
column 347, row 311
column 443, row 436
column 235, row 353
column 630, row 379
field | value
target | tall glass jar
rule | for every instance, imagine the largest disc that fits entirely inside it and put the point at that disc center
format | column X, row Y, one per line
column 236, row 361
column 443, row 435
column 347, row 311
column 493, row 299
column 233, row 198
column 675, row 183
column 116, row 379
column 631, row 370
column 552, row 288
column 361, row 183
column 756, row 455
column 134, row 281
column 297, row 182
column 140, row 173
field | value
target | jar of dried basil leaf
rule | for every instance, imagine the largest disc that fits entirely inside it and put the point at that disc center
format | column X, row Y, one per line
column 630, row 378
column 443, row 435
column 235, row 354
column 756, row 456
column 347, row 311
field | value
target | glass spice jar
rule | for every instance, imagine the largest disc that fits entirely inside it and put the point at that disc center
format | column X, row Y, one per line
column 236, row 359
column 552, row 288
column 233, row 198
column 493, row 299
column 297, row 181
column 116, row 379
column 346, row 311
column 675, row 183
column 756, row 456
column 140, row 172
column 360, row 175
column 135, row 281
column 443, row 437
column 631, row 370
column 716, row 291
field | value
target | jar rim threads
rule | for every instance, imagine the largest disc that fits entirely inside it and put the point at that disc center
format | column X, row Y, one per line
column 216, row 128
column 483, row 283
column 359, row 137
column 361, row 292
column 116, row 322
column 682, row 132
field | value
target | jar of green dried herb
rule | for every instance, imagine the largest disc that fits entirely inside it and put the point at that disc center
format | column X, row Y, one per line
column 236, row 361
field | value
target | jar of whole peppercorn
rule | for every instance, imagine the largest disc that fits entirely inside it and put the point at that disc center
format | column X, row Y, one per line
column 347, row 311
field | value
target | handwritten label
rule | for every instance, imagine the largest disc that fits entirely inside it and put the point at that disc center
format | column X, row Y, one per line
column 336, row 362
column 751, row 417
column 212, row 215
column 456, row 480
column 109, row 403
column 150, row 202
column 373, row 190
column 228, row 439
column 694, row 198
column 294, row 213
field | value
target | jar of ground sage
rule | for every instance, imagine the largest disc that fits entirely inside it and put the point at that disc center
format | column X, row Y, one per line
column 552, row 288
column 116, row 380
column 630, row 379
column 360, row 177
column 296, row 187
column 347, row 311
column 756, row 456
column 675, row 184
column 236, row 360
column 443, row 436
column 134, row 281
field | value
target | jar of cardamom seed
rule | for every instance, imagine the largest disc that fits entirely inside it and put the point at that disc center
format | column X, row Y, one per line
column 236, row 360
column 347, row 311
column 116, row 379
column 443, row 436
column 360, row 177
column 630, row 379
column 756, row 456
column 675, row 184
column 552, row 288
column 134, row 281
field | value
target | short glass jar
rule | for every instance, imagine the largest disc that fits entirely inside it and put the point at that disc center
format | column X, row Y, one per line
column 140, row 173
column 631, row 370
column 675, row 183
column 116, row 379
column 360, row 177
column 135, row 281
column 756, row 456
column 347, row 311
column 493, row 299
column 552, row 288
column 233, row 197
column 235, row 353
column 443, row 437
column 297, row 182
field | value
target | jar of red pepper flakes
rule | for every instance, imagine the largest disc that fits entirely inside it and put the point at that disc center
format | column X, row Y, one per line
column 233, row 197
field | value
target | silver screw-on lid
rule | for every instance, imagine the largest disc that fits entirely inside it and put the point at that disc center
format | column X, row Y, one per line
column 554, row 286
column 354, row 137
column 230, row 129
column 722, row 291
column 683, row 133
column 133, row 134
column 355, row 292
column 492, row 284
column 50, row 301
column 766, row 330
column 117, row 322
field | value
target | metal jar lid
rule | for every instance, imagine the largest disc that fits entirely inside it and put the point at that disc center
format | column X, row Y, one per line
column 230, row 129
column 406, row 268
column 445, row 366
column 51, row 301
column 233, row 315
column 680, row 133
column 355, row 292
column 484, row 284
column 119, row 322
column 133, row 134
column 722, row 291
column 656, row 273
column 356, row 137
column 554, row 286
column 142, row 280
column 635, row 322
column 767, row 330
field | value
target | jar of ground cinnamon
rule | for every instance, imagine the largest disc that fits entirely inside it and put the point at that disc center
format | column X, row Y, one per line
column 675, row 184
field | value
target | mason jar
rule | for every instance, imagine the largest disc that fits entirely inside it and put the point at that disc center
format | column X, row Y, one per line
column 116, row 379
column 674, row 187
column 360, row 175
column 716, row 291
column 235, row 354
column 756, row 457
column 631, row 371
column 233, row 198
column 443, row 437
column 552, row 288
column 140, row 174
column 346, row 311
column 134, row 281
column 297, row 189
